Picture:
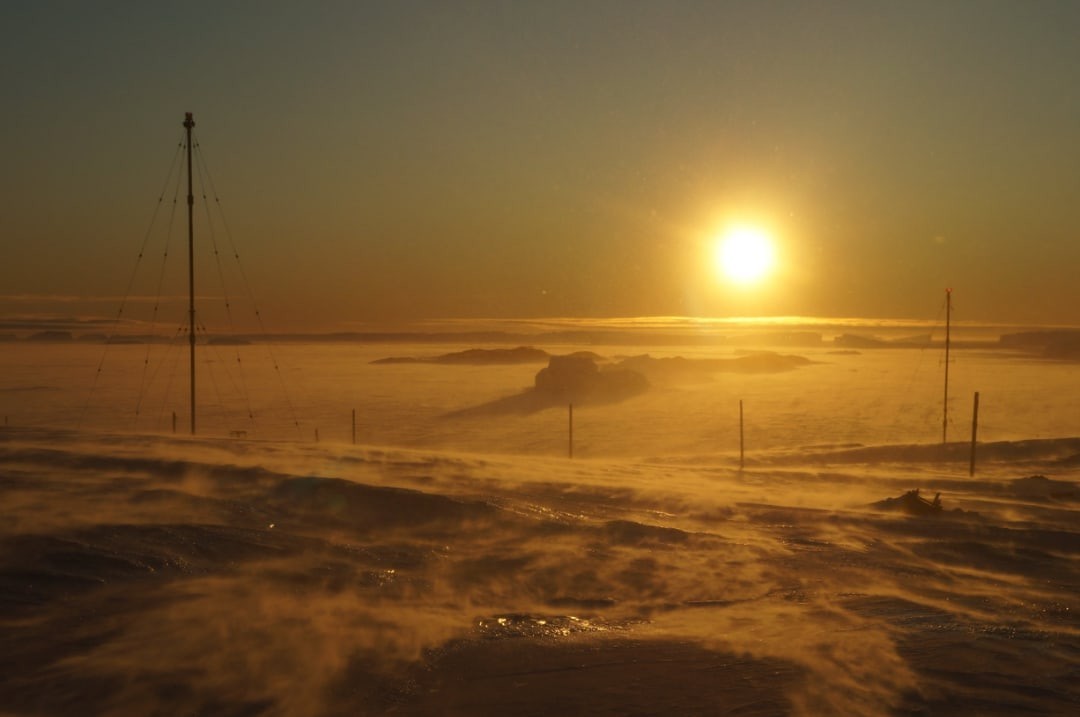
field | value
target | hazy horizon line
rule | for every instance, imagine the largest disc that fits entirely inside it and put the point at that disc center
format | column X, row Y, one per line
column 523, row 327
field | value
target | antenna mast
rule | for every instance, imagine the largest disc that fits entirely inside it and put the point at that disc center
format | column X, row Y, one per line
column 189, row 122
column 948, row 323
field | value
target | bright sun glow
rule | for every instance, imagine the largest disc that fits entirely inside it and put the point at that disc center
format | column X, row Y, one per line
column 745, row 254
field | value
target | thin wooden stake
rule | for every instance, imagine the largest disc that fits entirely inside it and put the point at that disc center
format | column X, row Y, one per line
column 570, row 442
column 174, row 421
column 742, row 453
column 354, row 426
column 316, row 435
column 974, row 433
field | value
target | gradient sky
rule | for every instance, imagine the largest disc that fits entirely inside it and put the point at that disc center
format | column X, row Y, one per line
column 386, row 161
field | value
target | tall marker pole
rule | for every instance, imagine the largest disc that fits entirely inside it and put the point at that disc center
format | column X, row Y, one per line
column 188, row 124
column 948, row 326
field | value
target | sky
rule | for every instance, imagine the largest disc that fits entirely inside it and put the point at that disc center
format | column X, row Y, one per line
column 387, row 162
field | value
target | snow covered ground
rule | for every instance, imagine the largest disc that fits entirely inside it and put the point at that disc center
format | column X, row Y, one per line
column 464, row 565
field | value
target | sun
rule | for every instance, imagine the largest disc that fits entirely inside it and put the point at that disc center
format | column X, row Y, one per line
column 745, row 254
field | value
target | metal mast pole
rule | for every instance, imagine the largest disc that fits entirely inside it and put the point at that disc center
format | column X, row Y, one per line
column 945, row 410
column 188, row 124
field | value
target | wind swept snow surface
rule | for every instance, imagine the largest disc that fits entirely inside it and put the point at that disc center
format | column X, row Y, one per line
column 150, row 575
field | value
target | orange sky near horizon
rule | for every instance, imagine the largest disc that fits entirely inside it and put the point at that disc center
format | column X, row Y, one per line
column 382, row 163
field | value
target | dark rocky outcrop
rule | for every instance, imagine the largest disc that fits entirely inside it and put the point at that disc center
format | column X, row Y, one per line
column 578, row 378
column 521, row 354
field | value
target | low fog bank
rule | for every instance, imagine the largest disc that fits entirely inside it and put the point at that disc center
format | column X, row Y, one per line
column 682, row 401
column 856, row 334
column 146, row 575
column 804, row 332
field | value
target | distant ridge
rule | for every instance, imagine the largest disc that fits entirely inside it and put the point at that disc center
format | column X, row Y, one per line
column 1061, row 344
